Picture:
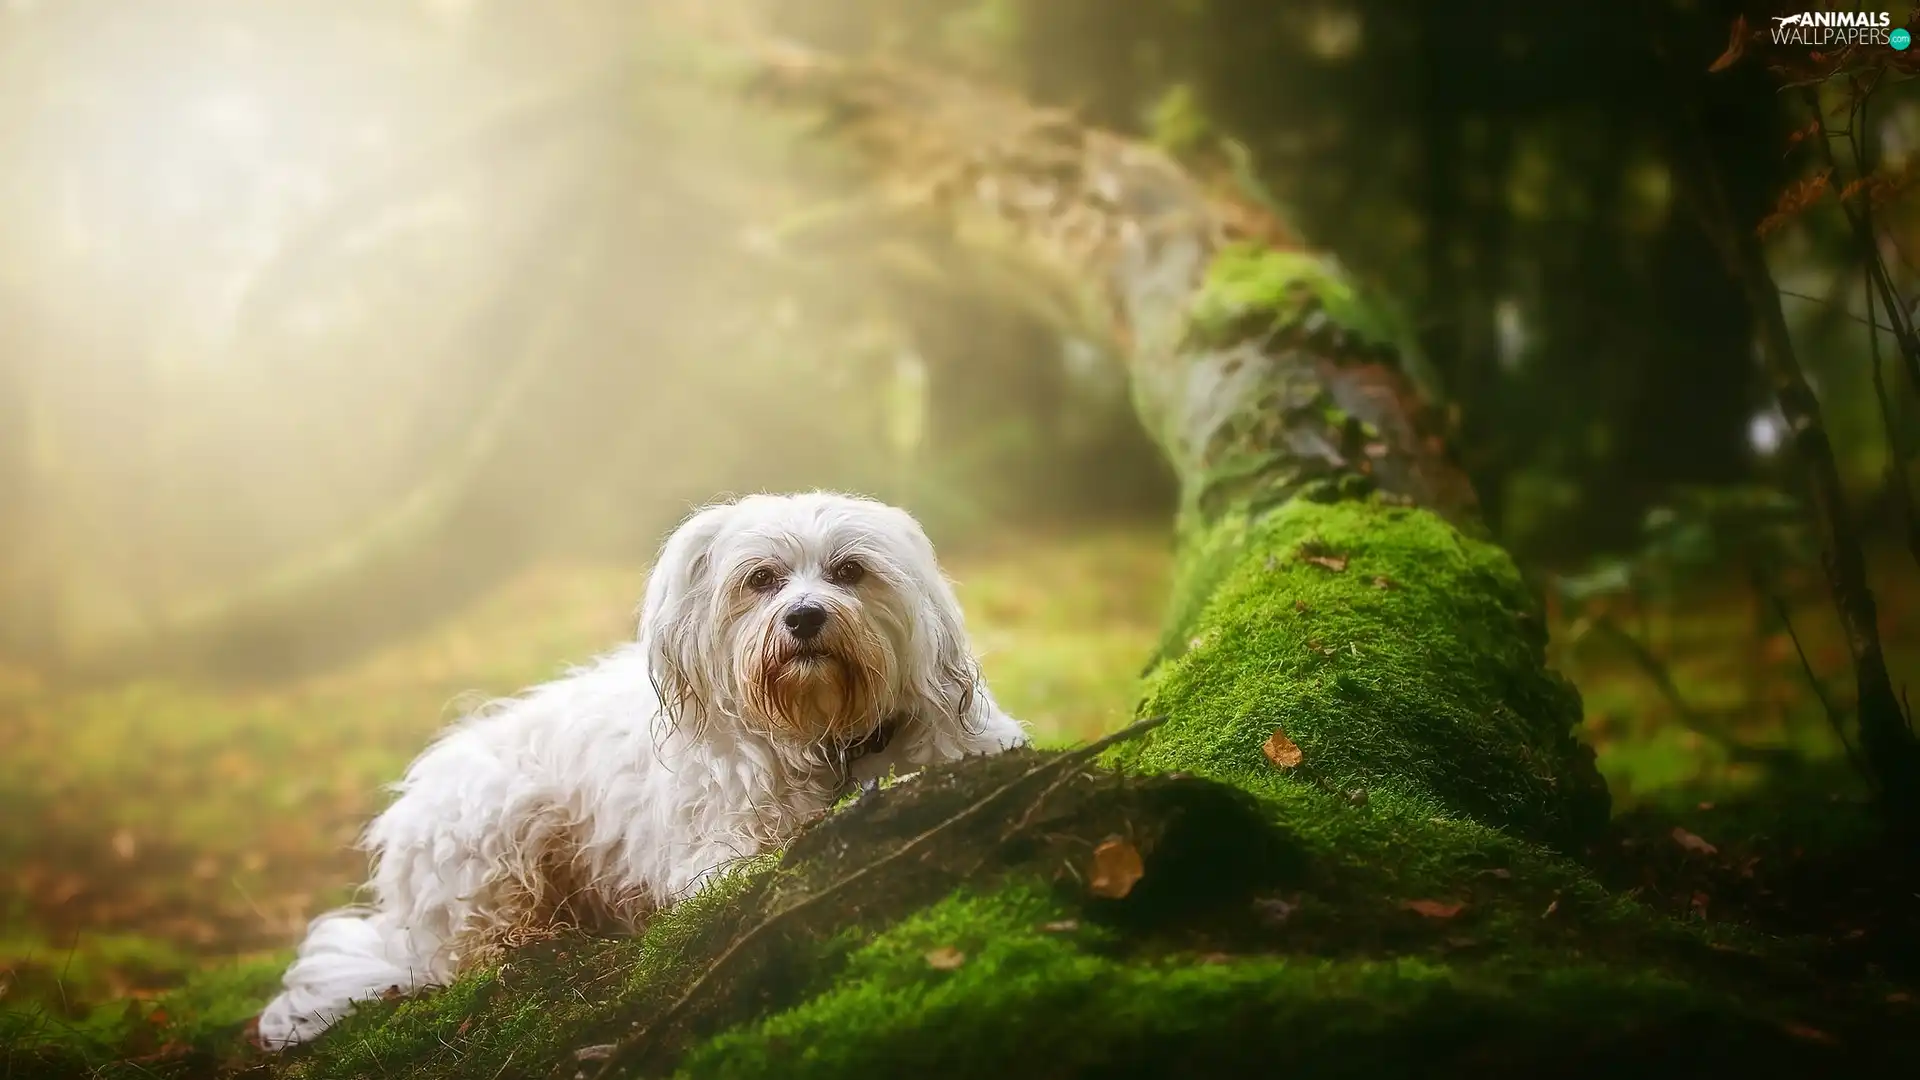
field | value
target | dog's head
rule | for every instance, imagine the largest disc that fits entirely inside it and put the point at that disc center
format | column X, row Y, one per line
column 813, row 618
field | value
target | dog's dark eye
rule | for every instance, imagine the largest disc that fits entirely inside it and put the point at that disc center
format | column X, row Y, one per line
column 761, row 579
column 848, row 572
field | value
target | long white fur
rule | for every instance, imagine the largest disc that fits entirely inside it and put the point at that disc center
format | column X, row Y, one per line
column 651, row 770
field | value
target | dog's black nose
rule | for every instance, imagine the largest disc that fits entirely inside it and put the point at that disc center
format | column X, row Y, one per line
column 805, row 620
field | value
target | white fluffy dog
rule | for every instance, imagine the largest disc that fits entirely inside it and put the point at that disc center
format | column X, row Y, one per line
column 789, row 647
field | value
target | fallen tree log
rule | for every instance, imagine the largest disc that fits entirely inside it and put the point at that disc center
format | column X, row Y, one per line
column 1346, row 844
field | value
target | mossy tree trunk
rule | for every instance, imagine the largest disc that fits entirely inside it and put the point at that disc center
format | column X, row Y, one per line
column 1333, row 578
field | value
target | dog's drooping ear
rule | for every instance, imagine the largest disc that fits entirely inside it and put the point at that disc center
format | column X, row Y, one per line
column 947, row 674
column 680, row 582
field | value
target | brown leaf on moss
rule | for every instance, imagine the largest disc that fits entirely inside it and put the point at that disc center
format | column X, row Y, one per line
column 1434, row 909
column 1116, row 869
column 1385, row 582
column 1320, row 647
column 1693, row 843
column 1736, row 46
column 945, row 958
column 1335, row 563
column 1282, row 751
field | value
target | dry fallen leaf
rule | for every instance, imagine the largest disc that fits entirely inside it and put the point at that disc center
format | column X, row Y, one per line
column 1693, row 843
column 1385, row 582
column 596, row 1052
column 1116, row 869
column 1282, row 751
column 1736, row 46
column 1064, row 926
column 945, row 958
column 1335, row 563
column 1434, row 909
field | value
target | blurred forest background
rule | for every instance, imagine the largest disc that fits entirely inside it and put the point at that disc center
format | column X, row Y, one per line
column 354, row 355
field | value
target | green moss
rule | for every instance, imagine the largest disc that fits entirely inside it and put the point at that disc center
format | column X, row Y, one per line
column 1401, row 656
column 1254, row 290
column 193, row 1030
column 996, row 985
column 1177, row 122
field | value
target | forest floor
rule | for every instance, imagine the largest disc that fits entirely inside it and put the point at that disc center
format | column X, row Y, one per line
column 155, row 830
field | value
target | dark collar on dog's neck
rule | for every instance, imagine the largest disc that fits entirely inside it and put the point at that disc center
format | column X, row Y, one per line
column 876, row 741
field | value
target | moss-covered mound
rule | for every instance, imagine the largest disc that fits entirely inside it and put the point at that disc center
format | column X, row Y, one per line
column 1399, row 656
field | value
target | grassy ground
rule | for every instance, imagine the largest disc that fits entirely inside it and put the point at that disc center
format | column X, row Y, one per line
column 154, row 830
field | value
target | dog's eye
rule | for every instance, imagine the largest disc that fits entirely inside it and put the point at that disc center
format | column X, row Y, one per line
column 761, row 579
column 848, row 572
